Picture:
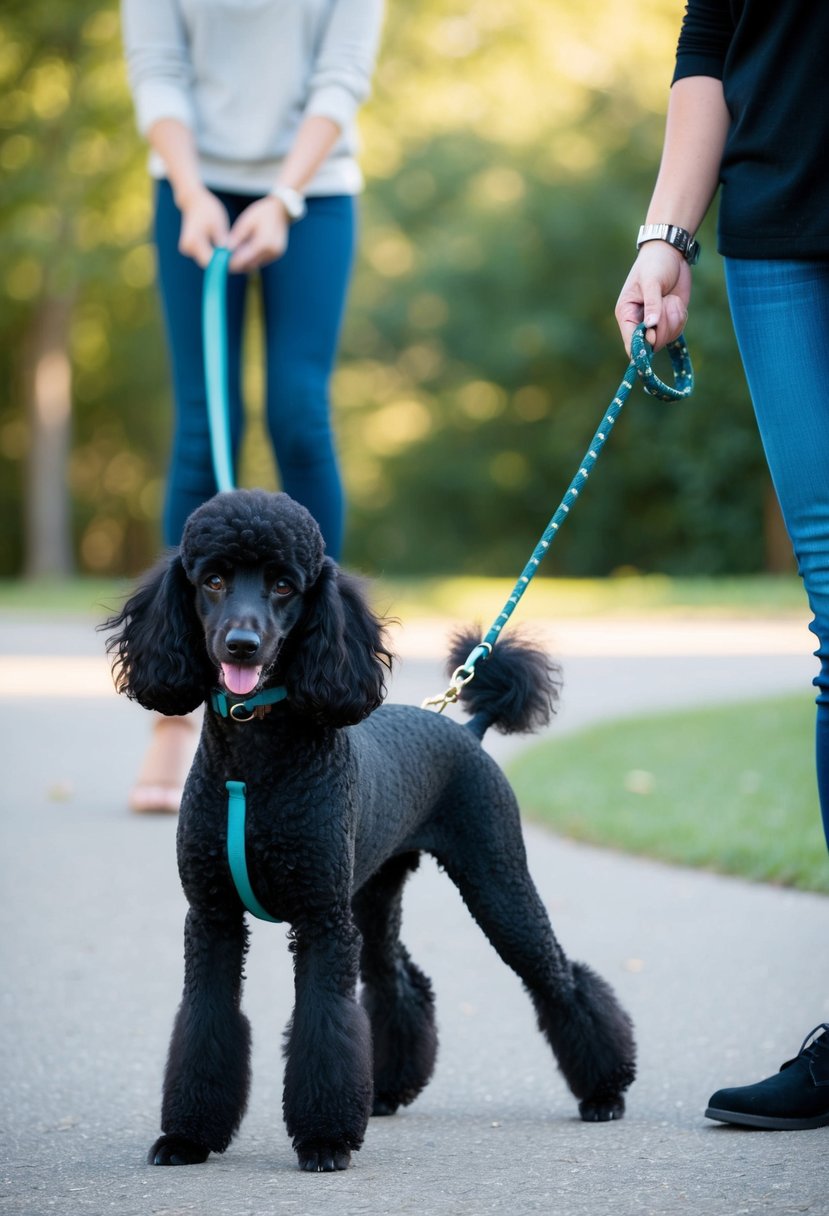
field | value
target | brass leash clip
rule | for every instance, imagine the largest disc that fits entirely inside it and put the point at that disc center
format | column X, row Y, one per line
column 461, row 676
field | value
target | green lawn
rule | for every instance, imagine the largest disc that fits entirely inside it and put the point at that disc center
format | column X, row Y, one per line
column 727, row 788
column 626, row 595
column 466, row 599
column 76, row 595
column 730, row 789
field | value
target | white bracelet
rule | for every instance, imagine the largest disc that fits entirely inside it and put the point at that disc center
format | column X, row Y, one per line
column 291, row 200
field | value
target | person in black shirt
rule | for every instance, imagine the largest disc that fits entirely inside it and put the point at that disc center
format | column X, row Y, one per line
column 749, row 112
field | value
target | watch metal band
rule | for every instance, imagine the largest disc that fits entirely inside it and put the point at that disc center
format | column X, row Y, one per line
column 680, row 238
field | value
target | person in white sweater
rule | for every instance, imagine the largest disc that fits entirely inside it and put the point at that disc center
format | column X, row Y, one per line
column 249, row 108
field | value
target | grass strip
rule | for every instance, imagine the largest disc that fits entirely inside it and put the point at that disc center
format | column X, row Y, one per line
column 466, row 598
column 731, row 789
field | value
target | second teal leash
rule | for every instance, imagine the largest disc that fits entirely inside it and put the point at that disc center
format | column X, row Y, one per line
column 640, row 366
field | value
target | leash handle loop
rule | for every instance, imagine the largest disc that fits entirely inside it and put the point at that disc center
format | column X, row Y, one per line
column 214, row 341
column 641, row 353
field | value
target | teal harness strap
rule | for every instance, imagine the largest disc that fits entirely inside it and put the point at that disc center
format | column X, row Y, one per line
column 236, row 855
column 242, row 711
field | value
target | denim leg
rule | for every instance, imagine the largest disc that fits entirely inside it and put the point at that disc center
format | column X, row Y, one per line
column 304, row 296
column 781, row 318
column 191, row 479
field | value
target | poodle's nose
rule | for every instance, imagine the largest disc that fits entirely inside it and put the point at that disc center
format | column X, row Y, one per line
column 242, row 643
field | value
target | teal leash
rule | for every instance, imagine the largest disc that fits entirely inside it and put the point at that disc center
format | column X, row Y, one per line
column 214, row 339
column 639, row 367
column 214, row 336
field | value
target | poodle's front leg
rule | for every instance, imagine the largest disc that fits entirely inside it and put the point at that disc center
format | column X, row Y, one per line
column 208, row 1065
column 328, row 1072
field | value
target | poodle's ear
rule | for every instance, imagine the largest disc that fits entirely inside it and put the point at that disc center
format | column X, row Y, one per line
column 338, row 664
column 160, row 657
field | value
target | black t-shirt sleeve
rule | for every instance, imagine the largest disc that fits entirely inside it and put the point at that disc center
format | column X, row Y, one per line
column 707, row 30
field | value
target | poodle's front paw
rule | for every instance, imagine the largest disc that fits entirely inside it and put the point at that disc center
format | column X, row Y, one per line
column 323, row 1156
column 602, row 1110
column 383, row 1105
column 177, row 1150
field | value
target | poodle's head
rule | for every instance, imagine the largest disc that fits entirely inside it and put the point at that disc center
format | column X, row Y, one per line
column 248, row 602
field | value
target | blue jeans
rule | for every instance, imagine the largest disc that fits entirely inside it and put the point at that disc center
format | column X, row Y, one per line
column 303, row 298
column 781, row 318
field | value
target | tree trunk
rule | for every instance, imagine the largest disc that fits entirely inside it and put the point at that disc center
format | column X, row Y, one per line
column 48, row 387
column 779, row 558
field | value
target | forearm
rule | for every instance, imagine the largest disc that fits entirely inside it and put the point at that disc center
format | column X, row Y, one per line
column 314, row 140
column 658, row 287
column 204, row 221
column 175, row 143
column 695, row 133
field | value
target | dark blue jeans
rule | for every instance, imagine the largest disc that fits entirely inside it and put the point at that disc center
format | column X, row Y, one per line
column 303, row 298
column 781, row 319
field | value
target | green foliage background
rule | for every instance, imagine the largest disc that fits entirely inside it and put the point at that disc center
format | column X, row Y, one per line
column 509, row 150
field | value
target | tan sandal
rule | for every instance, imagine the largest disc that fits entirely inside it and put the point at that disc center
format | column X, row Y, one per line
column 167, row 761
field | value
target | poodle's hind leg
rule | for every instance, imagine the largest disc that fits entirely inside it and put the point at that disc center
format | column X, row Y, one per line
column 208, row 1065
column 589, row 1032
column 396, row 994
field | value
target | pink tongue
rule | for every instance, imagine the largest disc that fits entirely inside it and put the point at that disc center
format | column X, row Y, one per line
column 240, row 680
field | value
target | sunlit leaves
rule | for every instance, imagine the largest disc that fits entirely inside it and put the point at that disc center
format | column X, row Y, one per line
column 508, row 147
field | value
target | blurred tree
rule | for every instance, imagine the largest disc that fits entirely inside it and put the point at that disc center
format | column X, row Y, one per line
column 509, row 148
column 74, row 216
column 481, row 347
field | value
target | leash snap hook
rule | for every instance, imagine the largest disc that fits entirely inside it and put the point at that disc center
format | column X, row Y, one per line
column 461, row 676
column 439, row 702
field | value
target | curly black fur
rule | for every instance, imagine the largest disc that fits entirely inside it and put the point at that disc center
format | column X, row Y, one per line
column 341, row 802
column 515, row 688
column 160, row 658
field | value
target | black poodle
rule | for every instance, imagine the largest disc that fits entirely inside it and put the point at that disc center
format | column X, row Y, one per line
column 338, row 814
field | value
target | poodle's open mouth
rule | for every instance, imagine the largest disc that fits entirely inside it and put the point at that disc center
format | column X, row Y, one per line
column 240, row 679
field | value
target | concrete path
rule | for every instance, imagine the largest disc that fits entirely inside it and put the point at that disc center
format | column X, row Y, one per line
column 722, row 978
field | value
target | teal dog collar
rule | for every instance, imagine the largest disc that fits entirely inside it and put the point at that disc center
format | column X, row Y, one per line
column 243, row 711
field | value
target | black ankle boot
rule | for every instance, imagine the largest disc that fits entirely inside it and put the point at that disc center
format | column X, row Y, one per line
column 794, row 1099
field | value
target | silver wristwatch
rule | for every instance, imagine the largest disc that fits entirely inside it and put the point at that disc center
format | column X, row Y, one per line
column 680, row 238
column 291, row 200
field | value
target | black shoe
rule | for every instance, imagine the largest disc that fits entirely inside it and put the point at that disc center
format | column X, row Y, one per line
column 795, row 1099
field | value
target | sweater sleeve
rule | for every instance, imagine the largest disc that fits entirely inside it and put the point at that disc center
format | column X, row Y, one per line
column 341, row 75
column 704, row 39
column 158, row 61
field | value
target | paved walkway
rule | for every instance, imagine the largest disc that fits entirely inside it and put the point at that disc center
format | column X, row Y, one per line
column 722, row 978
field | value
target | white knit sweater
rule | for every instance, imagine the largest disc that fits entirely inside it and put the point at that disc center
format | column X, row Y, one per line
column 242, row 74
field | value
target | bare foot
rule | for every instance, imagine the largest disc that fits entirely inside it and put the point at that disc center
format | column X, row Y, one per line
column 167, row 761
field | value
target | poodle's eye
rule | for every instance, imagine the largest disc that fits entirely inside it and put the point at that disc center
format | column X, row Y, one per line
column 214, row 582
column 283, row 588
